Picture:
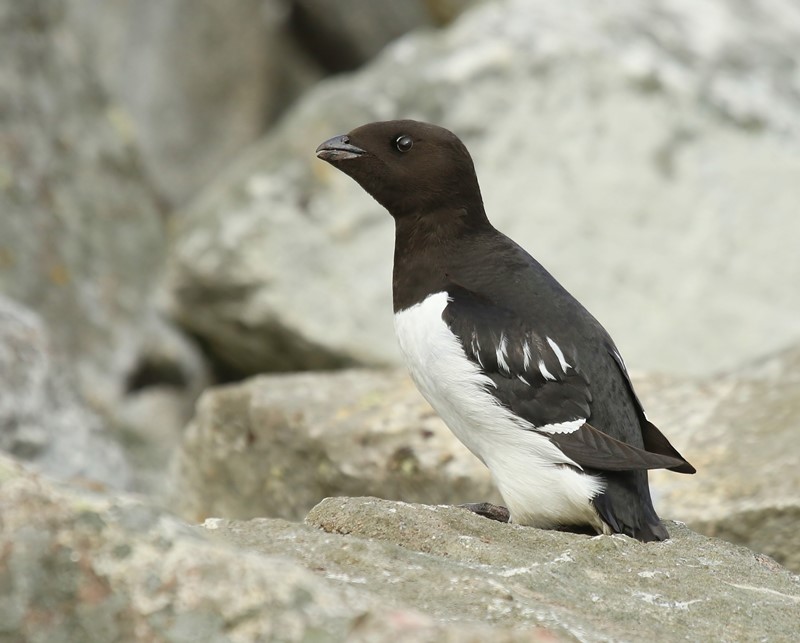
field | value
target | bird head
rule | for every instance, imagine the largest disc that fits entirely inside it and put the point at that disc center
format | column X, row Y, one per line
column 409, row 167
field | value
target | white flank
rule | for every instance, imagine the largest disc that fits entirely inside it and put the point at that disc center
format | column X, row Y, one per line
column 523, row 463
column 557, row 350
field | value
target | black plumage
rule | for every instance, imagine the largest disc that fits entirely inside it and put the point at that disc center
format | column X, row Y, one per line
column 549, row 361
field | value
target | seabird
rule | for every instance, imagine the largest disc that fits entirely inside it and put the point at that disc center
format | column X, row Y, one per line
column 517, row 368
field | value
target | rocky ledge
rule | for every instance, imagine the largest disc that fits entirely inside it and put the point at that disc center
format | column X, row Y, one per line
column 274, row 446
column 78, row 565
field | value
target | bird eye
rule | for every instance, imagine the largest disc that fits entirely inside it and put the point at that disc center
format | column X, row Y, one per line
column 403, row 143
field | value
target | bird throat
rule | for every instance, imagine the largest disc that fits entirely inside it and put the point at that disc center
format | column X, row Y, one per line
column 426, row 248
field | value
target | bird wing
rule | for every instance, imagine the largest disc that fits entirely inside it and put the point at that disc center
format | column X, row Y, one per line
column 541, row 382
column 654, row 440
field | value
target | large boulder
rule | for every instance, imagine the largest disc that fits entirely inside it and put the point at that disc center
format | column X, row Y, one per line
column 647, row 153
column 198, row 80
column 82, row 243
column 275, row 445
column 88, row 567
column 81, row 237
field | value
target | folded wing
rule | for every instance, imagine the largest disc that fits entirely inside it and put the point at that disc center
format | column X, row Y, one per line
column 542, row 382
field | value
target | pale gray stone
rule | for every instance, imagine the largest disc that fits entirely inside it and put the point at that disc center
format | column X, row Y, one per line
column 42, row 419
column 82, row 244
column 92, row 567
column 275, row 445
column 645, row 152
column 740, row 430
column 81, row 237
column 458, row 567
column 197, row 79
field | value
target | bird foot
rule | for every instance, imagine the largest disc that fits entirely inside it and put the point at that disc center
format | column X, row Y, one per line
column 488, row 510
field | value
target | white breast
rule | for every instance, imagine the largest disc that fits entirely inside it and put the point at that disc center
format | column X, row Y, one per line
column 523, row 463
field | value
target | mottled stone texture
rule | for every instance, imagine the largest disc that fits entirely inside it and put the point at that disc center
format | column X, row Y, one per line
column 82, row 245
column 79, row 566
column 81, row 239
column 277, row 445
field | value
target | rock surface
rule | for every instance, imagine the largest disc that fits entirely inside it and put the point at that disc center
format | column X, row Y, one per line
column 646, row 153
column 81, row 237
column 90, row 568
column 199, row 80
column 276, row 445
column 355, row 31
column 601, row 588
column 740, row 431
column 82, row 243
column 41, row 417
column 82, row 566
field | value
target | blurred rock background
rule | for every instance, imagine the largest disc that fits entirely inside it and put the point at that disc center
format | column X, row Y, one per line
column 166, row 233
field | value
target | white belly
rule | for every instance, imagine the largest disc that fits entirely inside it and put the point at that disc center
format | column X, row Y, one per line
column 524, row 464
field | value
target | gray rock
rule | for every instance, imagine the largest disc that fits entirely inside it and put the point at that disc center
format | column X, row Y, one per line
column 740, row 431
column 88, row 567
column 160, row 396
column 82, row 242
column 645, row 152
column 457, row 567
column 346, row 36
column 81, row 238
column 277, row 445
column 198, row 80
column 41, row 417
column 348, row 33
column 115, row 569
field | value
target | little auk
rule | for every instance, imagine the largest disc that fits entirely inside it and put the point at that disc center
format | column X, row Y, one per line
column 521, row 372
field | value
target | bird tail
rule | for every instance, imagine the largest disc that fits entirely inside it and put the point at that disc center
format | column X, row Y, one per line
column 656, row 442
column 626, row 507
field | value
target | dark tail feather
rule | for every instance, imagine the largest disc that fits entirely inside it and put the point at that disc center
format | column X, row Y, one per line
column 625, row 506
column 652, row 529
column 656, row 442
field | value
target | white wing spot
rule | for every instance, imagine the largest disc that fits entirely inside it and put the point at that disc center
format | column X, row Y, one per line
column 523, row 380
column 561, row 361
column 476, row 345
column 562, row 427
column 501, row 353
column 621, row 361
column 545, row 373
column 526, row 355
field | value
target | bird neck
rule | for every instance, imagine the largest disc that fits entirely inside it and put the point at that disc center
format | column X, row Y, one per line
column 426, row 248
